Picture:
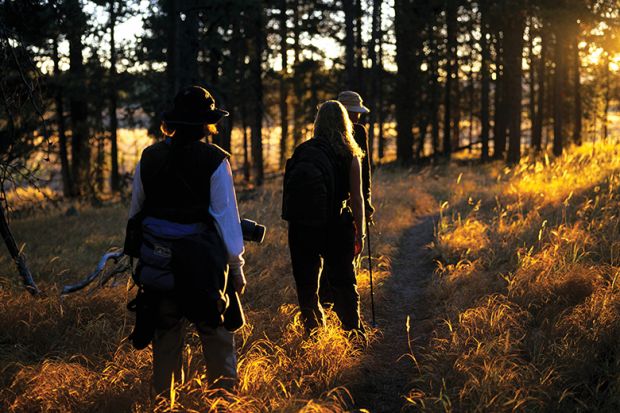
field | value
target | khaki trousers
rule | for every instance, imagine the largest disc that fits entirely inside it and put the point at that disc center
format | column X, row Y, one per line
column 218, row 347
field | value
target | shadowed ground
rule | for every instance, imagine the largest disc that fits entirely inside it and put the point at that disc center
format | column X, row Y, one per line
column 383, row 377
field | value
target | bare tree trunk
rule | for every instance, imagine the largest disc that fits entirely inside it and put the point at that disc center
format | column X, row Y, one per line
column 114, row 177
column 380, row 112
column 485, row 79
column 514, row 75
column 451, row 23
column 297, row 87
column 607, row 97
column 65, row 171
column 18, row 257
column 188, row 46
column 376, row 73
column 246, row 146
column 577, row 85
column 172, row 52
column 471, row 104
column 499, row 127
column 540, row 112
column 559, row 83
column 404, row 82
column 257, row 83
column 423, row 130
column 359, row 64
column 100, row 165
column 80, row 149
column 349, row 42
column 532, row 79
column 283, row 84
column 456, row 107
column 434, row 89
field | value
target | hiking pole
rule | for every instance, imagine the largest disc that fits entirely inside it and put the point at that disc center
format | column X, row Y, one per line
column 372, row 293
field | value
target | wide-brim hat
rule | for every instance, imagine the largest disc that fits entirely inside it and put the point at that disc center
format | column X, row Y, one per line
column 352, row 101
column 193, row 105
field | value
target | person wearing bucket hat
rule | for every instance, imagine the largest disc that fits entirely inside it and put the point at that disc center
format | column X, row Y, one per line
column 352, row 102
column 184, row 197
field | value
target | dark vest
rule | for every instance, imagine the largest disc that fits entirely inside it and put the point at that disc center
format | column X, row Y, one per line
column 177, row 180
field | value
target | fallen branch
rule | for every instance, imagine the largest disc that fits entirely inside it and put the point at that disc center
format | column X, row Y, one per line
column 122, row 265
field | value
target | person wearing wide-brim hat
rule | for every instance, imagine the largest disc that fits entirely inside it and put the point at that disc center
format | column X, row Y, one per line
column 193, row 105
column 354, row 105
column 183, row 190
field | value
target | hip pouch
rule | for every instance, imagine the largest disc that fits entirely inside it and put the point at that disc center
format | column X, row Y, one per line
column 192, row 267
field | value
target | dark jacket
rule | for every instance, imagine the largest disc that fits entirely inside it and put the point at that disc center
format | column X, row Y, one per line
column 360, row 134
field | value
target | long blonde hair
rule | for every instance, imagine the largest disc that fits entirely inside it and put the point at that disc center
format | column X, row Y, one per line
column 333, row 124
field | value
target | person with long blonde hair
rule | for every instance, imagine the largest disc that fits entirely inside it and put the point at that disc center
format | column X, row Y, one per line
column 326, row 226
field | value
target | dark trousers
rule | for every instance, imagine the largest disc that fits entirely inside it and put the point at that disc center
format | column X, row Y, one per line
column 218, row 347
column 311, row 247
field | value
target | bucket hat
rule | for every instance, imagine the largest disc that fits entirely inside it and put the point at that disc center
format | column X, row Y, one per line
column 193, row 105
column 352, row 101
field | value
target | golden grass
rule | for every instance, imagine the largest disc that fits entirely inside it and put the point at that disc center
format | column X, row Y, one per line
column 69, row 354
column 525, row 302
column 527, row 284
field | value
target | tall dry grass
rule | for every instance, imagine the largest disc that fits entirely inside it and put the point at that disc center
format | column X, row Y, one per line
column 70, row 354
column 527, row 288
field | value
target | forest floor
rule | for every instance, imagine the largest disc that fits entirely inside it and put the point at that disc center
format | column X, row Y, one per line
column 495, row 289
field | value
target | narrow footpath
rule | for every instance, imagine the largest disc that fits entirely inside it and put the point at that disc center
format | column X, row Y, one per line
column 383, row 378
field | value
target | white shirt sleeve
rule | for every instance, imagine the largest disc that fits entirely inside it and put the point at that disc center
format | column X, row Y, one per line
column 223, row 209
column 137, row 193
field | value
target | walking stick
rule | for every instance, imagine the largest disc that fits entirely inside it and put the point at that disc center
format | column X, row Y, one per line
column 372, row 293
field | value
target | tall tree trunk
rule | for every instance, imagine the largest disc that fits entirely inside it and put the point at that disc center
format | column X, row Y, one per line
column 18, row 257
column 540, row 110
column 100, row 165
column 188, row 46
column 283, row 84
column 471, row 104
column 376, row 73
column 423, row 130
column 297, row 87
column 349, row 43
column 532, row 78
column 403, row 92
column 380, row 112
column 257, row 83
column 485, row 78
column 499, row 127
column 114, row 178
column 577, row 89
column 434, row 88
column 607, row 96
column 451, row 26
column 559, row 83
column 246, row 145
column 456, row 107
column 359, row 56
column 172, row 52
column 514, row 74
column 80, row 149
column 65, row 171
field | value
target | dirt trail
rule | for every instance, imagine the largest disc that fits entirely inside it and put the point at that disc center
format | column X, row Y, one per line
column 382, row 379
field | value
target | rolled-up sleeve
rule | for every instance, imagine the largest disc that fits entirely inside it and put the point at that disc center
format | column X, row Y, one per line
column 223, row 209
